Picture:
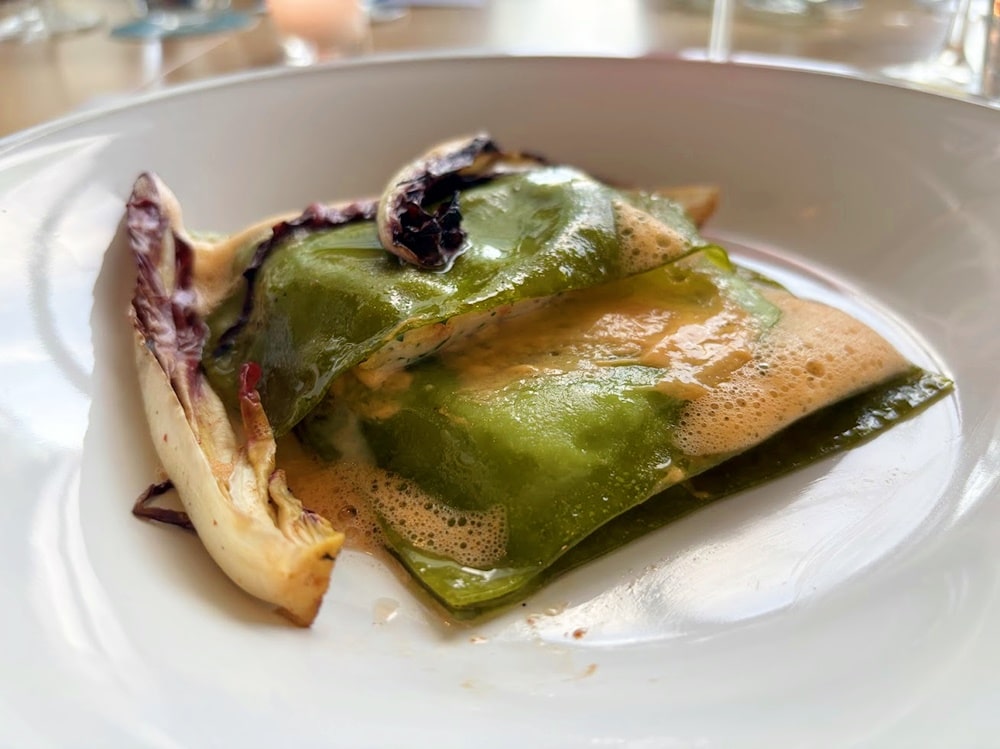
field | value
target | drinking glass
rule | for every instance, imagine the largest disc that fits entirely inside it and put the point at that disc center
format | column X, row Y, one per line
column 948, row 69
column 29, row 20
column 720, row 35
column 792, row 11
column 383, row 11
column 167, row 18
column 776, row 10
column 800, row 9
column 990, row 86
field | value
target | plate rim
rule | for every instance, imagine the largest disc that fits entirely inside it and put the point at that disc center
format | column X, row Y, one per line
column 747, row 61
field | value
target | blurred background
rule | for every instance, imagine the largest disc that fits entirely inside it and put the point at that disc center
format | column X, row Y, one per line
column 60, row 56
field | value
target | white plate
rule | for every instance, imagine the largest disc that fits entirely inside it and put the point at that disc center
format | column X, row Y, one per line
column 854, row 603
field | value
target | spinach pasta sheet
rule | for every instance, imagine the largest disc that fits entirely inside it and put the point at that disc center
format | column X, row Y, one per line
column 499, row 368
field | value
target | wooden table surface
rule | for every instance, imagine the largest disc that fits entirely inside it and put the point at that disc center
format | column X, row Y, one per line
column 46, row 79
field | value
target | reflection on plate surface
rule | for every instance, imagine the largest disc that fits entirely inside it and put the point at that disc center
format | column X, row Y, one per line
column 854, row 601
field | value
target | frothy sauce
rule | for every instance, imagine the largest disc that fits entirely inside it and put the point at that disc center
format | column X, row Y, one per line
column 742, row 385
column 815, row 355
column 353, row 496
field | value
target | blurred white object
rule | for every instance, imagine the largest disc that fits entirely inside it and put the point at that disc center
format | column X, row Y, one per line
column 317, row 30
column 589, row 27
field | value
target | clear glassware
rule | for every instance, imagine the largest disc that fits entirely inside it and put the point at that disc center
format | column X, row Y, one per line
column 800, row 10
column 949, row 68
column 30, row 20
column 166, row 18
column 383, row 11
column 720, row 35
column 990, row 85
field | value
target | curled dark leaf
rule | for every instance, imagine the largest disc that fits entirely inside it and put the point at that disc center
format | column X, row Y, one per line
column 145, row 509
column 418, row 216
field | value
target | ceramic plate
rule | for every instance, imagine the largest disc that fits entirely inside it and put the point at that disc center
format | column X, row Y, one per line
column 853, row 603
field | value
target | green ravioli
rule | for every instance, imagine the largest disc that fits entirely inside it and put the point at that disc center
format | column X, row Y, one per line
column 588, row 370
column 581, row 433
column 326, row 301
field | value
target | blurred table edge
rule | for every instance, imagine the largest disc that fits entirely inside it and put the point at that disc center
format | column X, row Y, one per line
column 50, row 79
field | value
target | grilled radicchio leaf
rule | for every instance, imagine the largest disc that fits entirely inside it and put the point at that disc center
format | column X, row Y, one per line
column 418, row 216
column 315, row 217
column 240, row 505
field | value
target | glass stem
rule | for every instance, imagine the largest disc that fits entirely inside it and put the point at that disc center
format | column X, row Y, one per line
column 953, row 52
column 989, row 84
column 720, row 39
